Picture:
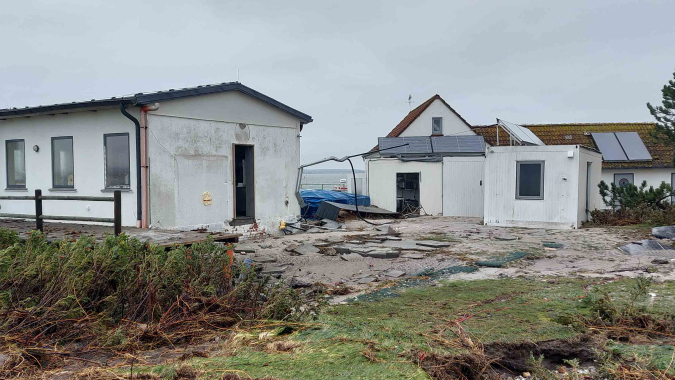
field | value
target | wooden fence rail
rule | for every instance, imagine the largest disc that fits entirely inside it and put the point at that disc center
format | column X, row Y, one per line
column 116, row 220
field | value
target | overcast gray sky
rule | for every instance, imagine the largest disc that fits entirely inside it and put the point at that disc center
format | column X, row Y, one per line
column 351, row 64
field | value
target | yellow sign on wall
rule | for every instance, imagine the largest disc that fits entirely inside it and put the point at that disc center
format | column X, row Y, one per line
column 206, row 198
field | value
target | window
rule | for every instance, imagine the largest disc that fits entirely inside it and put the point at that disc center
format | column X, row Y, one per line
column 15, row 151
column 63, row 169
column 116, row 147
column 436, row 125
column 623, row 179
column 530, row 180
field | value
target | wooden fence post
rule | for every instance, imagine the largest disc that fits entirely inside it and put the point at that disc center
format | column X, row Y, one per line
column 38, row 211
column 117, row 197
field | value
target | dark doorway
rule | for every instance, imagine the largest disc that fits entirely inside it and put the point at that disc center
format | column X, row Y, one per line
column 408, row 193
column 244, row 195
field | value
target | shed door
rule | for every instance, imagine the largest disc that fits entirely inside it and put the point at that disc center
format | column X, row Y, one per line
column 463, row 186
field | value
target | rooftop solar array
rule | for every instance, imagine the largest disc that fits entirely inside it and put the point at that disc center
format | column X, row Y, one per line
column 520, row 133
column 633, row 146
column 432, row 145
column 609, row 147
column 621, row 146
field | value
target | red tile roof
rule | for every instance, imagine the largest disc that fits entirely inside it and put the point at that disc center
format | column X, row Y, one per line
column 580, row 134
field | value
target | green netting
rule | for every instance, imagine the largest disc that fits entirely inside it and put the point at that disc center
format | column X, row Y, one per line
column 429, row 273
column 499, row 261
column 551, row 244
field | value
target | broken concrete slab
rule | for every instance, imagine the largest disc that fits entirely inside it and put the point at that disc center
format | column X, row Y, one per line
column 262, row 260
column 408, row 245
column 394, row 238
column 355, row 242
column 271, row 271
column 505, row 237
column 306, row 249
column 299, row 282
column 660, row 261
column 434, row 244
column 323, row 244
column 380, row 254
column 394, row 273
column 331, row 224
column 387, row 230
column 640, row 247
column 291, row 247
column 366, row 280
column 351, row 257
column 413, row 256
column 347, row 248
column 243, row 249
column 664, row 232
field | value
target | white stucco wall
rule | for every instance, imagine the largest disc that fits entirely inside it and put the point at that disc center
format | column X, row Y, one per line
column 452, row 124
column 191, row 147
column 381, row 180
column 560, row 206
column 87, row 129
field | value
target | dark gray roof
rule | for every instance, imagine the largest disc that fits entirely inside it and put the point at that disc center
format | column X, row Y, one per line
column 141, row 99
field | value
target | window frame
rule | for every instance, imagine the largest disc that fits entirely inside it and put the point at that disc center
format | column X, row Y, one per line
column 72, row 148
column 433, row 124
column 105, row 161
column 7, row 142
column 541, row 183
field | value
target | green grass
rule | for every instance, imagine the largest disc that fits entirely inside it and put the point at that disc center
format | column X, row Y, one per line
column 506, row 310
column 658, row 356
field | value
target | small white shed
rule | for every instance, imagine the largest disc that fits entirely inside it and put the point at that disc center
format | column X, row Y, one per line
column 541, row 186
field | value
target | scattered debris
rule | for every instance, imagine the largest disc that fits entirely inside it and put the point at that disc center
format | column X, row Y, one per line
column 380, row 254
column 297, row 282
column 388, row 230
column 434, row 244
column 328, row 251
column 660, row 261
column 351, row 257
column 665, row 232
column 366, row 280
column 263, row 260
column 499, row 261
column 243, row 249
column 394, row 273
column 644, row 245
column 505, row 237
column 413, row 256
column 551, row 244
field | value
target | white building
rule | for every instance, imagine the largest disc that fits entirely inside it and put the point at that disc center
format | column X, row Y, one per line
column 541, row 186
column 465, row 180
column 213, row 156
column 656, row 168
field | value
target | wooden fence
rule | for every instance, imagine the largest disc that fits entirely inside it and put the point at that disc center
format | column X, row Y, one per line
column 116, row 220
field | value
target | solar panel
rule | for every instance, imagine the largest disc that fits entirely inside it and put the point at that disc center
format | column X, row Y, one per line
column 633, row 146
column 458, row 144
column 520, row 133
column 416, row 145
column 609, row 147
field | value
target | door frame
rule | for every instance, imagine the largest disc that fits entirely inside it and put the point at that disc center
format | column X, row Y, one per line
column 234, row 180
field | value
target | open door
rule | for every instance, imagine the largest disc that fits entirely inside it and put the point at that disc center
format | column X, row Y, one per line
column 244, row 185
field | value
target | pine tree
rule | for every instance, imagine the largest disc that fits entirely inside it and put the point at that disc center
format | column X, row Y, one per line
column 665, row 114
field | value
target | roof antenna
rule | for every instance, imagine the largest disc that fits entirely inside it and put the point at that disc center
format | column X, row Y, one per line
column 410, row 102
column 237, row 75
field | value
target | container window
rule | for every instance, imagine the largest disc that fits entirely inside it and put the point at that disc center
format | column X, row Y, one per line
column 530, row 180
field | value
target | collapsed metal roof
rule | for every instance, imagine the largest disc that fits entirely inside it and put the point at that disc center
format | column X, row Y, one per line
column 144, row 98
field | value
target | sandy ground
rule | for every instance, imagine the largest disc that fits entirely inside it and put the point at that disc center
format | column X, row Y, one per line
column 590, row 252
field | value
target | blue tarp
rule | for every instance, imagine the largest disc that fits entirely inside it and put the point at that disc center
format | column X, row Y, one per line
column 313, row 198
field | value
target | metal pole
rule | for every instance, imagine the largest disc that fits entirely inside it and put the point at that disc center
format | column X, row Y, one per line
column 38, row 211
column 117, row 195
